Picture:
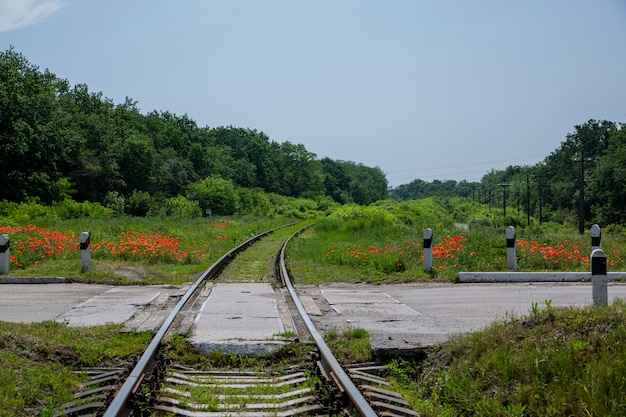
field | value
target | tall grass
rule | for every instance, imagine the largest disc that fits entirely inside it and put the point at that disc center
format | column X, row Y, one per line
column 554, row 362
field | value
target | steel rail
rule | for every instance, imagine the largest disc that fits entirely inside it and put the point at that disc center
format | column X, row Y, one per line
column 120, row 406
column 358, row 401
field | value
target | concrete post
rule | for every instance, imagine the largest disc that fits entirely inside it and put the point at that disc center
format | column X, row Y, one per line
column 428, row 250
column 511, row 253
column 5, row 254
column 596, row 237
column 598, row 278
column 85, row 252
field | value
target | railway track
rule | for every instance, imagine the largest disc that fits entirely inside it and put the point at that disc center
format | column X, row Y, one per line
column 311, row 382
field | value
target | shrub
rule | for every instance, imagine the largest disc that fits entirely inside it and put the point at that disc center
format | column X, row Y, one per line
column 253, row 201
column 116, row 202
column 214, row 193
column 181, row 208
column 355, row 217
column 140, row 203
column 26, row 212
column 70, row 209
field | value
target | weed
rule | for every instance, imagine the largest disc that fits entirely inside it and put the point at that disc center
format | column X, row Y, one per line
column 351, row 346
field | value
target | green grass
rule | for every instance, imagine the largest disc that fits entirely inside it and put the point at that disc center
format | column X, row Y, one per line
column 554, row 362
column 178, row 349
column 351, row 346
column 257, row 263
column 333, row 251
column 200, row 244
column 37, row 362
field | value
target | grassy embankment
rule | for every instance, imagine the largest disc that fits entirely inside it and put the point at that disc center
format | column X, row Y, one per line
column 553, row 362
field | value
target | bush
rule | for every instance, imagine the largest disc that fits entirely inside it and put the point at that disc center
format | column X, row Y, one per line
column 26, row 212
column 70, row 209
column 214, row 193
column 116, row 202
column 355, row 217
column 181, row 208
column 140, row 203
column 253, row 201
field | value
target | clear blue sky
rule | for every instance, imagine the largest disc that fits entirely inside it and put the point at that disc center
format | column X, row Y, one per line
column 421, row 89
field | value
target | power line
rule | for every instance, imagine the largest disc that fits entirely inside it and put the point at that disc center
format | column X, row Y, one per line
column 438, row 175
column 467, row 165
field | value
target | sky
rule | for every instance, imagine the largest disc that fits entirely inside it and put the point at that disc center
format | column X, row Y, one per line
column 446, row 89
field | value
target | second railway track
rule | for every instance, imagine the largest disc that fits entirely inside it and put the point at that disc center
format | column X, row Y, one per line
column 301, row 377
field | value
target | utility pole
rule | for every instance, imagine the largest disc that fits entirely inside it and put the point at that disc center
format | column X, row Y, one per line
column 527, row 200
column 581, row 184
column 540, row 188
column 504, row 185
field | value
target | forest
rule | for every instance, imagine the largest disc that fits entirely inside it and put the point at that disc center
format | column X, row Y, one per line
column 60, row 142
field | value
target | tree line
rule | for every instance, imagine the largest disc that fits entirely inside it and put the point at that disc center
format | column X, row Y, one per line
column 59, row 141
column 586, row 174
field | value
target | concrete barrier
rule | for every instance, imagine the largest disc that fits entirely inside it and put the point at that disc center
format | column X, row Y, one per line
column 472, row 277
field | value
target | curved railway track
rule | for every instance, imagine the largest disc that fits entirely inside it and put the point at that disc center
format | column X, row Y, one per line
column 320, row 387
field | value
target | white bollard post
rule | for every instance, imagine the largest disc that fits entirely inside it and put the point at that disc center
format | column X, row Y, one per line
column 85, row 251
column 598, row 278
column 5, row 254
column 596, row 237
column 428, row 250
column 511, row 253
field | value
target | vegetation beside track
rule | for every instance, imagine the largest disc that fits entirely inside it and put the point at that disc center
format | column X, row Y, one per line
column 129, row 250
column 38, row 362
column 553, row 362
column 382, row 243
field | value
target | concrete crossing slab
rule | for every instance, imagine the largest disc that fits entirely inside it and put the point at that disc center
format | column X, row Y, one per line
column 117, row 305
column 413, row 316
column 31, row 303
column 241, row 318
column 83, row 304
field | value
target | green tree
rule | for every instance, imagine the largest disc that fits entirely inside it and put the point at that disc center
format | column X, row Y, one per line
column 367, row 184
column 560, row 173
column 608, row 181
column 336, row 180
column 32, row 147
column 214, row 193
